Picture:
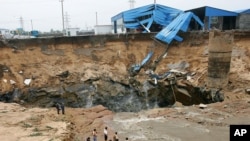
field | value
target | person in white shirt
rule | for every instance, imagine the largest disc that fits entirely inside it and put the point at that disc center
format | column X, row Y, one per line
column 105, row 131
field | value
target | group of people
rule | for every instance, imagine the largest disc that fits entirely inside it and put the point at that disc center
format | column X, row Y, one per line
column 105, row 134
column 60, row 107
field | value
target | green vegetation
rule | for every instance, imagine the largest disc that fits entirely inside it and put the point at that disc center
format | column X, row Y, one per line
column 26, row 125
column 36, row 134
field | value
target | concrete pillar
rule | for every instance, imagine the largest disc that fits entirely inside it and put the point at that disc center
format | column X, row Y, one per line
column 220, row 50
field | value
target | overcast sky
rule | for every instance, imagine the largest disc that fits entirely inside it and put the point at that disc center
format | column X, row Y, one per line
column 45, row 15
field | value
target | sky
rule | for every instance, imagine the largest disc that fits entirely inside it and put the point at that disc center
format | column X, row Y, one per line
column 44, row 15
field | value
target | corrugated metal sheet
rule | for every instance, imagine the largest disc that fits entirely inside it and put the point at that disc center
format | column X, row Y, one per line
column 245, row 11
column 137, row 67
column 179, row 23
column 146, row 15
column 211, row 11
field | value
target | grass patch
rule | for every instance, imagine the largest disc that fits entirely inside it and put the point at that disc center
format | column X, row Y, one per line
column 36, row 129
column 26, row 125
column 49, row 127
column 35, row 119
column 4, row 111
column 36, row 134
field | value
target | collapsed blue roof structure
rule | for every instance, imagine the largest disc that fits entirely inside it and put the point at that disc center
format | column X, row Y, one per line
column 170, row 21
column 147, row 15
column 179, row 23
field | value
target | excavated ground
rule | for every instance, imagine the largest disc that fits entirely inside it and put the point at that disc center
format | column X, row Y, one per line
column 113, row 59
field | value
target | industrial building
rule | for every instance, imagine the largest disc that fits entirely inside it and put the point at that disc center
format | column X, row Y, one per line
column 156, row 18
column 243, row 20
column 215, row 18
column 149, row 18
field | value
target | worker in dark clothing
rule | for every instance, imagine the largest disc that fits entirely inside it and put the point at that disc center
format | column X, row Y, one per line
column 88, row 139
column 59, row 107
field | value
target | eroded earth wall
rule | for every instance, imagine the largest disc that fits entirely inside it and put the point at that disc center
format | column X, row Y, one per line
column 91, row 70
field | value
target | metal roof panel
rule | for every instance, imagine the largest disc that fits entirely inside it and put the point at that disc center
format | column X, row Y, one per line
column 211, row 11
column 179, row 23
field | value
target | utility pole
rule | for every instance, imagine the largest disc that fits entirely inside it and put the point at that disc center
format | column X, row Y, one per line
column 21, row 23
column 31, row 25
column 96, row 18
column 62, row 14
column 67, row 20
column 131, row 4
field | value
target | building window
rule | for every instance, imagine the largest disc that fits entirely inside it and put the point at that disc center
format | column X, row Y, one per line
column 214, row 20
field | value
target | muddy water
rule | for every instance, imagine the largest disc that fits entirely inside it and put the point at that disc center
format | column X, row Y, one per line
column 163, row 129
column 183, row 124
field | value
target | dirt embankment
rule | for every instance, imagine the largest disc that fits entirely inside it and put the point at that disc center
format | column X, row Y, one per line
column 100, row 57
column 42, row 64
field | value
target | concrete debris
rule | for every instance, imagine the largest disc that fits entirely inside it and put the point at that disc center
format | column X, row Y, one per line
column 202, row 106
column 247, row 90
column 27, row 82
column 178, row 72
column 182, row 65
column 193, row 73
column 189, row 77
column 155, row 81
column 5, row 80
column 20, row 72
column 178, row 104
column 12, row 82
column 63, row 74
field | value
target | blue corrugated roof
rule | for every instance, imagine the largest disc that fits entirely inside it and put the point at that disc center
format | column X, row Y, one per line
column 244, row 11
column 146, row 15
column 211, row 11
column 179, row 23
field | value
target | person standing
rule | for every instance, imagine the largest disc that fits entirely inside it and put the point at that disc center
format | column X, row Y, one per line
column 115, row 138
column 94, row 133
column 105, row 131
column 59, row 107
column 62, row 106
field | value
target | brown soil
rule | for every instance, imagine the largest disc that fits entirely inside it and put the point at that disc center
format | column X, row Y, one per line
column 18, row 123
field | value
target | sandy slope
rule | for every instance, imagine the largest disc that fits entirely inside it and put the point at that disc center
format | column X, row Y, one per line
column 161, row 124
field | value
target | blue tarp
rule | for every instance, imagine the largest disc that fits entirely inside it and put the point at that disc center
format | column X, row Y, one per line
column 146, row 15
column 179, row 23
